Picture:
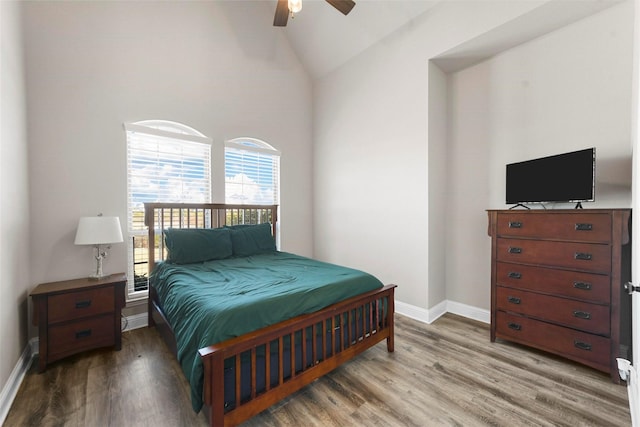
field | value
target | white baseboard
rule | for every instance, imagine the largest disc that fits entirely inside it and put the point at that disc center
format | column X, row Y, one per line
column 412, row 311
column 431, row 315
column 135, row 321
column 469, row 311
column 10, row 389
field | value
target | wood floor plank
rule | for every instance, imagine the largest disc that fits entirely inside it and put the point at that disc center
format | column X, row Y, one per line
column 444, row 374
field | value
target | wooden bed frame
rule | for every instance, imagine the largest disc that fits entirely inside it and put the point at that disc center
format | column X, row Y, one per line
column 366, row 320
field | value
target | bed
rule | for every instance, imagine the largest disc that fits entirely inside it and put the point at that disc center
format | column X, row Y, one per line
column 254, row 325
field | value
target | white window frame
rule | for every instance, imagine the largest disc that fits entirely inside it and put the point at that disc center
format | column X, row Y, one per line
column 171, row 132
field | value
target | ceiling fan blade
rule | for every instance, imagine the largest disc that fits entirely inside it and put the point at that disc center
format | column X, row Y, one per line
column 282, row 14
column 343, row 6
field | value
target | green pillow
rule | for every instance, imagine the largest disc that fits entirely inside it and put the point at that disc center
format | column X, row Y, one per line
column 190, row 245
column 252, row 239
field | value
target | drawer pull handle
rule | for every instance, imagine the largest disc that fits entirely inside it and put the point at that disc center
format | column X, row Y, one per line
column 513, row 300
column 515, row 275
column 583, row 256
column 83, row 304
column 514, row 326
column 83, row 334
column 582, row 285
column 515, row 224
column 581, row 226
column 582, row 314
column 582, row 345
column 515, row 250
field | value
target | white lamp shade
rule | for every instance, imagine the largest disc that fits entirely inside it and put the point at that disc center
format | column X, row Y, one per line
column 98, row 230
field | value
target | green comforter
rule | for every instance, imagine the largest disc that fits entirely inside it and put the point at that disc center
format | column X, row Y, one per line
column 213, row 301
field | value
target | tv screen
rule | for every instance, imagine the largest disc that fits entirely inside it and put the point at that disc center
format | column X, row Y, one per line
column 568, row 177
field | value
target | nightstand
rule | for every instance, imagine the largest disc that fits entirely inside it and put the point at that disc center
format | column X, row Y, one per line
column 78, row 315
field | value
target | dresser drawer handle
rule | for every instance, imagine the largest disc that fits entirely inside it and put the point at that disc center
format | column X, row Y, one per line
column 583, row 256
column 515, row 250
column 581, row 226
column 514, row 326
column 515, row 275
column 582, row 285
column 515, row 224
column 83, row 334
column 582, row 345
column 83, row 304
column 582, row 314
column 513, row 300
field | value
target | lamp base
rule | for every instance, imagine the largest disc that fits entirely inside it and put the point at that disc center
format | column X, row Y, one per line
column 98, row 275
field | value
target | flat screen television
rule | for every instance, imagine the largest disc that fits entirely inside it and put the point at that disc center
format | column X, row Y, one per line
column 567, row 177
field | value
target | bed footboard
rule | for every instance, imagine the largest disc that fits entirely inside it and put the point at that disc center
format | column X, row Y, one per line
column 305, row 348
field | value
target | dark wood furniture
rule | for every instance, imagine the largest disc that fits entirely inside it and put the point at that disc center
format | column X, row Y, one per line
column 369, row 321
column 78, row 315
column 556, row 282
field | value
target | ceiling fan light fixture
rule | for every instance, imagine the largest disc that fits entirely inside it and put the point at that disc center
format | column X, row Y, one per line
column 295, row 6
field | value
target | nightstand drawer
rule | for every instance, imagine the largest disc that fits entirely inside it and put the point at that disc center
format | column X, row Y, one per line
column 76, row 305
column 74, row 337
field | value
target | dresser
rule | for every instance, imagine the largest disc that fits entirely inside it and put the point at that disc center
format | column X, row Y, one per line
column 556, row 282
column 78, row 315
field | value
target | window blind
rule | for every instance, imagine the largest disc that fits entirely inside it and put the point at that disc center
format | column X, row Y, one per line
column 252, row 172
column 166, row 162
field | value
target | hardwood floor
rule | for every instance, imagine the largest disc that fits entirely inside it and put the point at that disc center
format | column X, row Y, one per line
column 444, row 374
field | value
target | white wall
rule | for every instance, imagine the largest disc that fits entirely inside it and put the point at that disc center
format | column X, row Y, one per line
column 374, row 148
column 92, row 66
column 15, row 262
column 437, row 167
column 564, row 91
column 371, row 148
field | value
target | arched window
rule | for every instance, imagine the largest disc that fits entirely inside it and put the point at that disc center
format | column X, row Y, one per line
column 252, row 172
column 166, row 162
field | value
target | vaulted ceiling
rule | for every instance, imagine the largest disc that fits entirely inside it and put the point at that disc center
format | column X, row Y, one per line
column 324, row 39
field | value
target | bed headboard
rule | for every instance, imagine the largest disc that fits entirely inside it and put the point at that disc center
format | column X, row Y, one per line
column 160, row 216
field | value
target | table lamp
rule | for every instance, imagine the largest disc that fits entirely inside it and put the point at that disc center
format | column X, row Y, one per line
column 99, row 231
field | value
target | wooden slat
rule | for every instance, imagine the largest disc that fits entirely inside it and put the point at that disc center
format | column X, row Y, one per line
column 253, row 373
column 280, row 360
column 349, row 333
column 238, row 380
column 324, row 340
column 303, row 334
column 292, row 354
column 267, row 367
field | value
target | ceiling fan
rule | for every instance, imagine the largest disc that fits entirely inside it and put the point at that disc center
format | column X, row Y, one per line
column 285, row 7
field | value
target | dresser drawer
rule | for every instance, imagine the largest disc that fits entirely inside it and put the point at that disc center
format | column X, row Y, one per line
column 580, row 256
column 76, row 305
column 74, row 337
column 587, row 227
column 573, row 284
column 588, row 317
column 589, row 349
